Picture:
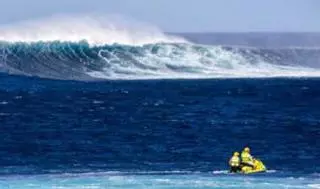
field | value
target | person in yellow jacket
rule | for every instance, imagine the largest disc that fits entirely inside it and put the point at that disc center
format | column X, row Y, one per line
column 234, row 163
column 246, row 158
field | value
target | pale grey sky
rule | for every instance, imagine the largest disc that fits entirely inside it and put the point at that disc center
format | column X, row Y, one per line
column 183, row 15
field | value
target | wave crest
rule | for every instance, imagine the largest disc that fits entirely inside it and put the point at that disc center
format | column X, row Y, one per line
column 94, row 28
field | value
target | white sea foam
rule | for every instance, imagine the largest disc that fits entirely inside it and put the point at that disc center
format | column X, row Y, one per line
column 193, row 61
column 314, row 185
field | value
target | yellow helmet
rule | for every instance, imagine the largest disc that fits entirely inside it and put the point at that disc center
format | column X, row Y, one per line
column 246, row 149
column 236, row 154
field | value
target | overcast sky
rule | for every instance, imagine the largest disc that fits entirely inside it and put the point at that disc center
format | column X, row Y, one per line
column 183, row 15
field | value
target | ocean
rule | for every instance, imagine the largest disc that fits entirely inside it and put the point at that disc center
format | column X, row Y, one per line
column 158, row 112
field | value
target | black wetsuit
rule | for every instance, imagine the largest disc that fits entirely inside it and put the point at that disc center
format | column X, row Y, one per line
column 234, row 169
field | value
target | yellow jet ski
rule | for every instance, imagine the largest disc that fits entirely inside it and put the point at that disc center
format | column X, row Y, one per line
column 258, row 167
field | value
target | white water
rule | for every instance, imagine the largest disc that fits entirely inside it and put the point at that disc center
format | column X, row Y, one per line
column 192, row 61
column 95, row 29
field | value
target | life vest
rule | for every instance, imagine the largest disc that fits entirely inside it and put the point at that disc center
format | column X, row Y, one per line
column 234, row 161
column 246, row 158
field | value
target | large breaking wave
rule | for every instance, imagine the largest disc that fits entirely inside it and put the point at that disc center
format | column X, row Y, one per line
column 86, row 48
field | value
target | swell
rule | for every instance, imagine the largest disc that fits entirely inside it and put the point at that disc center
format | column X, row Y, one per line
column 82, row 61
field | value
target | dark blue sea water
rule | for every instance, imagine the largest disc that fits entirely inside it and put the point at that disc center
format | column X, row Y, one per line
column 161, row 125
column 145, row 127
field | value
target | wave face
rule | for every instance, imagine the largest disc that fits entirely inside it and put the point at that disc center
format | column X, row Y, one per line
column 65, row 47
column 80, row 60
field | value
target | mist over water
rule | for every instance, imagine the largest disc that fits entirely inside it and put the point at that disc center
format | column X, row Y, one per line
column 96, row 29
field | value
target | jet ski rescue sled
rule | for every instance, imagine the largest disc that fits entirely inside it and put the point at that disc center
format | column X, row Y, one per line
column 258, row 167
